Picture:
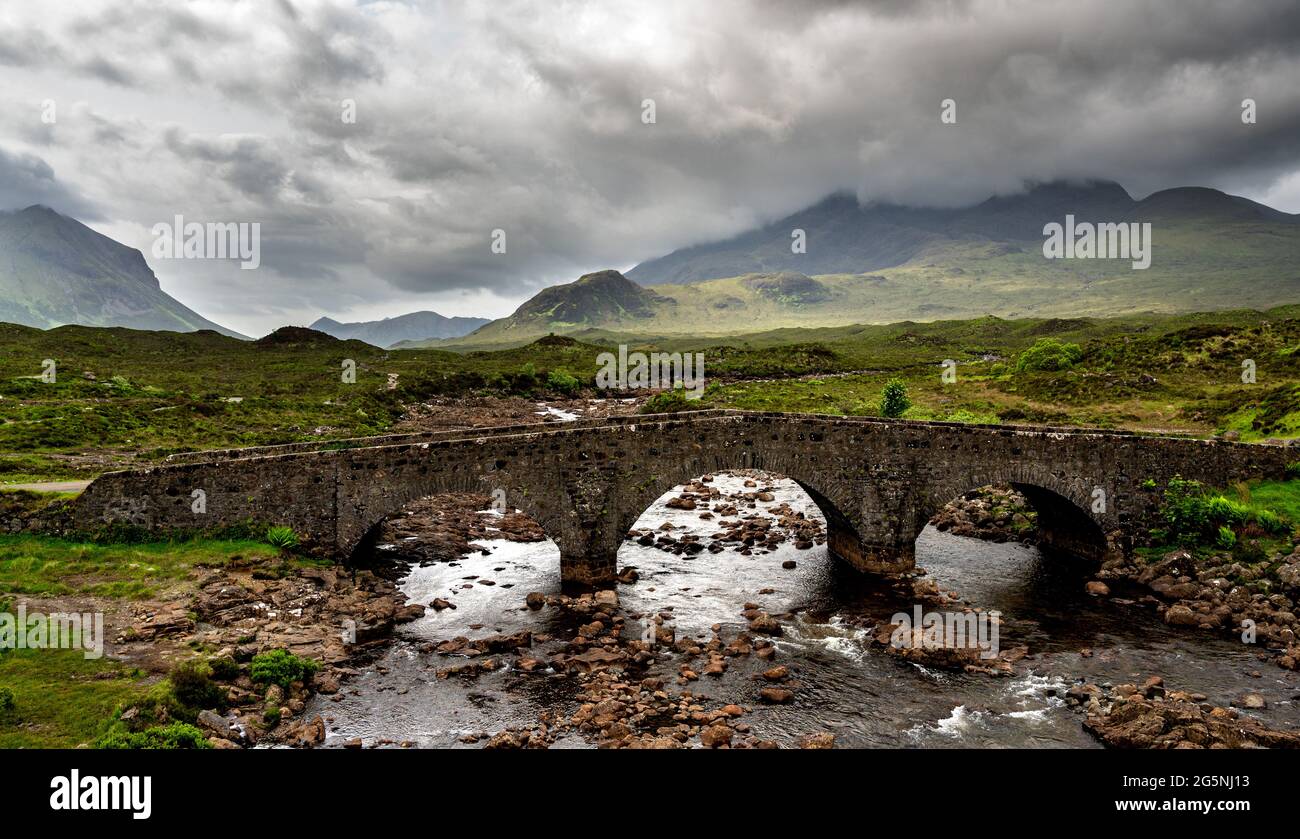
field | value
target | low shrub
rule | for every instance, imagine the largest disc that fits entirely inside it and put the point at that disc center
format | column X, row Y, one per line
column 1049, row 354
column 560, row 381
column 282, row 537
column 1194, row 517
column 193, row 687
column 893, row 399
column 177, row 735
column 280, row 667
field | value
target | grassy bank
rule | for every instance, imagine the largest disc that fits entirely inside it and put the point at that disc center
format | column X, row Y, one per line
column 124, row 398
column 59, row 698
column 40, row 566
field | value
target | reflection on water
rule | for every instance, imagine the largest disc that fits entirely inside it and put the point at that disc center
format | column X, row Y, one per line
column 861, row 695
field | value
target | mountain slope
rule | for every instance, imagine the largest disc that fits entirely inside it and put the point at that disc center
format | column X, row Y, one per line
column 1210, row 251
column 416, row 326
column 599, row 299
column 846, row 238
column 54, row 270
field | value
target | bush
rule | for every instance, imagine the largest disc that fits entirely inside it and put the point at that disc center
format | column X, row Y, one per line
column 7, row 704
column 1272, row 522
column 283, row 538
column 893, row 399
column 561, row 382
column 281, row 667
column 1293, row 470
column 1221, row 510
column 1184, row 508
column 178, row 735
column 1049, row 354
column 1194, row 518
column 192, row 685
column 225, row 668
column 670, row 402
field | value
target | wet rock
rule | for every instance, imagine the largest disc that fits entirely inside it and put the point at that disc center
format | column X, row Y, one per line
column 216, row 725
column 1177, row 720
column 535, row 600
column 1181, row 616
column 776, row 695
column 820, row 740
column 308, row 734
column 765, row 624
column 1097, row 588
column 716, row 736
column 408, row 613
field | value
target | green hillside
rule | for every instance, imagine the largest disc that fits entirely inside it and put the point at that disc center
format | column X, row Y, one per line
column 54, row 270
column 1209, row 251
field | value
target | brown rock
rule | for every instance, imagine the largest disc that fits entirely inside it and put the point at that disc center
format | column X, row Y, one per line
column 776, row 696
column 820, row 740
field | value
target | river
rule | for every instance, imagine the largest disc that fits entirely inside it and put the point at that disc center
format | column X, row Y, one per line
column 863, row 696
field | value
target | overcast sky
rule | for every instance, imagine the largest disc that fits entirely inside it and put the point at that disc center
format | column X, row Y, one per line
column 528, row 117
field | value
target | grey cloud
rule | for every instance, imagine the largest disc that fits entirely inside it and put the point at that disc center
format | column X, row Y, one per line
column 27, row 179
column 476, row 118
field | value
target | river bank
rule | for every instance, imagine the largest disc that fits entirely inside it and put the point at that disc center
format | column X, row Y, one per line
column 774, row 648
column 731, row 626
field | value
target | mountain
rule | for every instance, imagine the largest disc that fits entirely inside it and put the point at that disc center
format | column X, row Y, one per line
column 600, row 299
column 54, row 270
column 844, row 237
column 887, row 264
column 417, row 326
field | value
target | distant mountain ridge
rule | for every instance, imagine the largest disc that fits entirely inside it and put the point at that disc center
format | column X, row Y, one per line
column 416, row 326
column 54, row 270
column 890, row 263
column 844, row 237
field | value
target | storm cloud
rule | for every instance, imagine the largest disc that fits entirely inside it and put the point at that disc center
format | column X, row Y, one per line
column 527, row 118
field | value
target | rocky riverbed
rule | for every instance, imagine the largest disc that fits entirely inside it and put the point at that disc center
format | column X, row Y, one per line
column 1254, row 600
column 758, row 645
column 731, row 627
column 992, row 513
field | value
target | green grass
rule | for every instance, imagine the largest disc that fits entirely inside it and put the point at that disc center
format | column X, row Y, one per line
column 158, row 393
column 43, row 567
column 62, row 699
column 1282, row 497
column 1196, row 266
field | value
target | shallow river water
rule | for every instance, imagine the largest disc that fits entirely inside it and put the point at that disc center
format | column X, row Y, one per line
column 862, row 695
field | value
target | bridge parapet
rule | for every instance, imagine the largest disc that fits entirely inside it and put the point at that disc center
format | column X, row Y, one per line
column 877, row 481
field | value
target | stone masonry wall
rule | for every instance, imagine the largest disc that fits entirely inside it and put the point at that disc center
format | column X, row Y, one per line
column 878, row 482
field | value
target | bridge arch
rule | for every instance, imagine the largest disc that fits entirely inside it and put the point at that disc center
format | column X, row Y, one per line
column 360, row 519
column 1067, row 520
column 831, row 498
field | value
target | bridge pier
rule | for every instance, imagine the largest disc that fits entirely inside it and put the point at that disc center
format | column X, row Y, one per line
column 845, row 543
column 585, row 571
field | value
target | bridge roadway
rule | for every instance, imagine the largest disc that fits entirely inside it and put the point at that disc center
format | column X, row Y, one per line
column 877, row 481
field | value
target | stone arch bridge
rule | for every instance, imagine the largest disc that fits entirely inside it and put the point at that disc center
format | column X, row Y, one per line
column 877, row 481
